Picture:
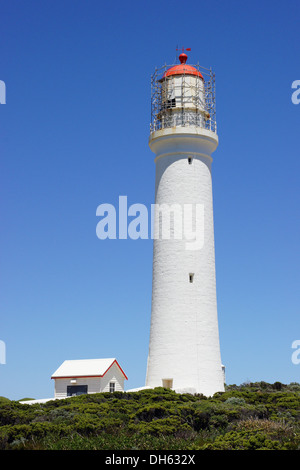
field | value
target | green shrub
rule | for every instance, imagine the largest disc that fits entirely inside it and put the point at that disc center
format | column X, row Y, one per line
column 251, row 416
column 149, row 412
column 257, row 434
column 235, row 401
column 166, row 426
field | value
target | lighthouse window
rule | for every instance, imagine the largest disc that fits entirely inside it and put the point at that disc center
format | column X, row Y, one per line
column 191, row 277
column 171, row 101
column 190, row 159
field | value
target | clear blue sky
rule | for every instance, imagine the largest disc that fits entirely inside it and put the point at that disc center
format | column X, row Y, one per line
column 74, row 134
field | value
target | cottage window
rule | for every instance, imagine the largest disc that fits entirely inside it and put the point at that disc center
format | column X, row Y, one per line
column 112, row 387
column 73, row 390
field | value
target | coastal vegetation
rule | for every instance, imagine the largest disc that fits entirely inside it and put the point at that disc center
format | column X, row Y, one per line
column 252, row 416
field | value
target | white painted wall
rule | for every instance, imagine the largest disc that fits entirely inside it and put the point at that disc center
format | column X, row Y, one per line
column 188, row 92
column 112, row 375
column 184, row 337
column 95, row 384
column 60, row 390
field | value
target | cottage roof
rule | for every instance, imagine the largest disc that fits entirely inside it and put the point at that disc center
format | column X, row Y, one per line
column 85, row 368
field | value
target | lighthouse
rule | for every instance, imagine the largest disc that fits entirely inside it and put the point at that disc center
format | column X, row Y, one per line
column 184, row 347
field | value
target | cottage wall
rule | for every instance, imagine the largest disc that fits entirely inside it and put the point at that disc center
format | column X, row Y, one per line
column 113, row 375
column 93, row 384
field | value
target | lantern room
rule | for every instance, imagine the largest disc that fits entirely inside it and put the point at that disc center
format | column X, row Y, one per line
column 183, row 95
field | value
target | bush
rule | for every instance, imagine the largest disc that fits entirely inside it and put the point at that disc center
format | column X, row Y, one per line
column 253, row 416
column 161, row 427
column 235, row 401
column 149, row 412
column 257, row 434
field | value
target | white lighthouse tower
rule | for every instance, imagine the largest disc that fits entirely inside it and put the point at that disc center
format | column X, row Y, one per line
column 184, row 348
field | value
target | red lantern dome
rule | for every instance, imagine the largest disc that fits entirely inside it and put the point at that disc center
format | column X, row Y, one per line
column 182, row 69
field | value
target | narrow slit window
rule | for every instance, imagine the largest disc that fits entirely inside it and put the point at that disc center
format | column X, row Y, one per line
column 191, row 277
column 190, row 159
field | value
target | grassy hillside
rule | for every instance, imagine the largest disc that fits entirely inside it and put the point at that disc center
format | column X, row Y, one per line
column 251, row 417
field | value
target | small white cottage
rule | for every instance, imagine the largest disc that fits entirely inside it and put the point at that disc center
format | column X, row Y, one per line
column 88, row 376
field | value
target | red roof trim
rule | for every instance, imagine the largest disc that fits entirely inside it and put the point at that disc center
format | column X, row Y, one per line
column 116, row 362
column 89, row 376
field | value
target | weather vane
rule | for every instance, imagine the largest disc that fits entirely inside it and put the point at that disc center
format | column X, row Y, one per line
column 182, row 49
